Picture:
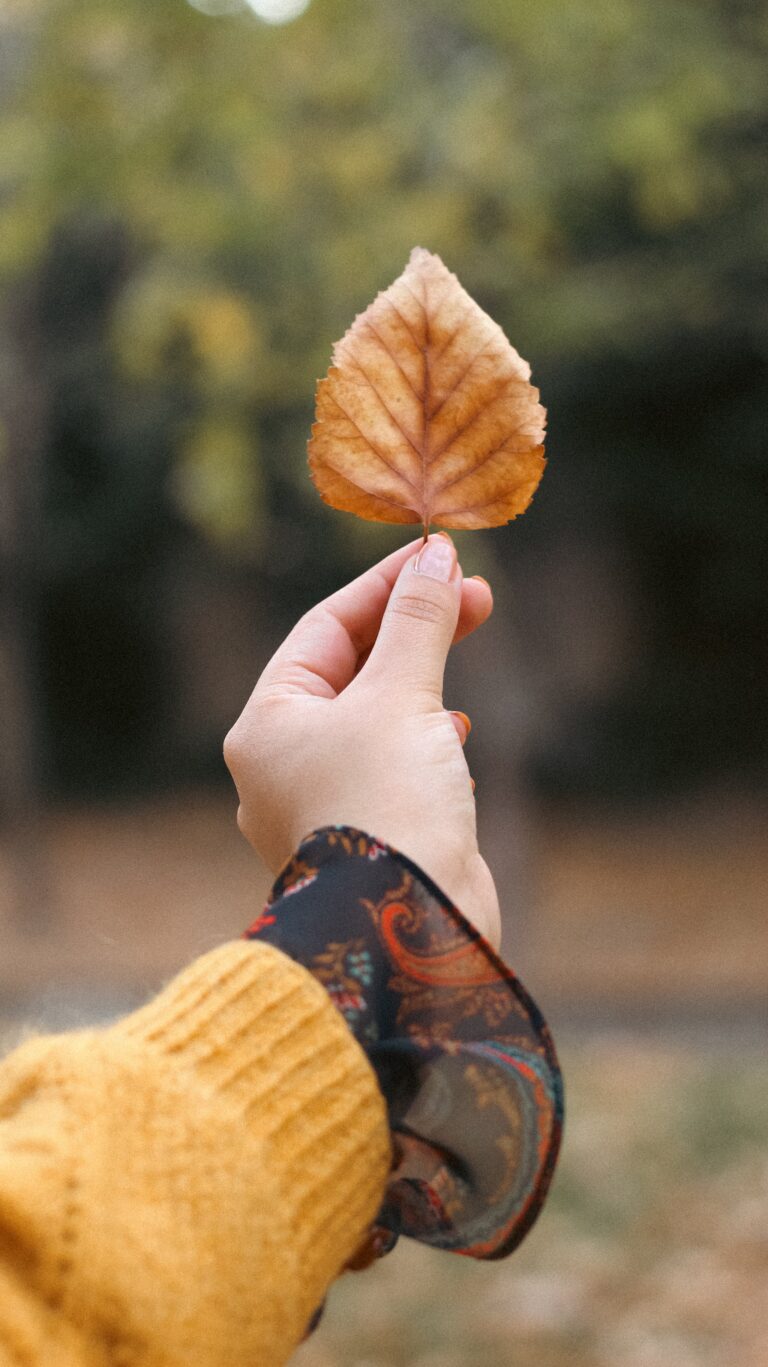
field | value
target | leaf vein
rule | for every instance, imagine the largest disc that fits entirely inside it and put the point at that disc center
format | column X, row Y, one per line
column 462, row 377
column 372, row 446
column 381, row 498
column 393, row 358
column 478, row 413
column 404, row 321
column 388, row 411
column 465, row 474
column 452, row 337
column 488, row 503
column 436, row 308
column 416, row 300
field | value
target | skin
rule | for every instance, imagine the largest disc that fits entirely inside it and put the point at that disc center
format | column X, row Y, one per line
column 347, row 725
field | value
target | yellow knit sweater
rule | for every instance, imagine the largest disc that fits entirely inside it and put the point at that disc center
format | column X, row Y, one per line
column 182, row 1187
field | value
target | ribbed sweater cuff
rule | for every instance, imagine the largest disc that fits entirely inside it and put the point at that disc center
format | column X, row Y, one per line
column 261, row 1033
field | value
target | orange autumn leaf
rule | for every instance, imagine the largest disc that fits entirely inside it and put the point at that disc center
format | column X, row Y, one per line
column 427, row 413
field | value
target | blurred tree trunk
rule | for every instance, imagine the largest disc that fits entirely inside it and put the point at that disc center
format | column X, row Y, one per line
column 22, row 409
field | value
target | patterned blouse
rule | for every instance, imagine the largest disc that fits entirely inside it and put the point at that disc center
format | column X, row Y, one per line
column 462, row 1054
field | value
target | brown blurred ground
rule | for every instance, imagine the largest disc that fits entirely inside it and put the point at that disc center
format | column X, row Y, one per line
column 670, row 905
column 660, row 914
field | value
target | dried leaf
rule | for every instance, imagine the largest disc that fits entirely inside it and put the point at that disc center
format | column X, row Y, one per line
column 427, row 413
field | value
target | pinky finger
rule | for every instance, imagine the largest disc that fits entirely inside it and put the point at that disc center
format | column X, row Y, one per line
column 462, row 724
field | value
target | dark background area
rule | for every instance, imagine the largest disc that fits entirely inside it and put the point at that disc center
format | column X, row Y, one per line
column 194, row 207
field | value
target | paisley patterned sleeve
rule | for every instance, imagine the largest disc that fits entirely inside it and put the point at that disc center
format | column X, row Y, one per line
column 463, row 1055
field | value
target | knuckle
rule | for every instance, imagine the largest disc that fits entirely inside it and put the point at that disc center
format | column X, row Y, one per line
column 232, row 748
column 246, row 739
column 268, row 701
column 423, row 609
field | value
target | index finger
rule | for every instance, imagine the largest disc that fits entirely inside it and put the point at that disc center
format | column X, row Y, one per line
column 320, row 655
column 327, row 646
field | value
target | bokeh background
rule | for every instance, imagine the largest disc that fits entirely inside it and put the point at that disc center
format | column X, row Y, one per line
column 196, row 197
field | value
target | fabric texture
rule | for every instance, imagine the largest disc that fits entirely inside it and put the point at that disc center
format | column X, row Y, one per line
column 462, row 1053
column 181, row 1188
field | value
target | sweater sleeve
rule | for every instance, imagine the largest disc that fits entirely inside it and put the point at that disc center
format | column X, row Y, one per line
column 184, row 1186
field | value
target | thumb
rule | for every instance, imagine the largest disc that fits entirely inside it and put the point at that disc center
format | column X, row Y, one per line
column 420, row 620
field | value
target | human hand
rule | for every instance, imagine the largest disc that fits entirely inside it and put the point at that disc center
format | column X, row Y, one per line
column 347, row 726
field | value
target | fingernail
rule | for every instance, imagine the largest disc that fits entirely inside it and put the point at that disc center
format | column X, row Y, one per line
column 464, row 718
column 482, row 580
column 472, row 781
column 437, row 559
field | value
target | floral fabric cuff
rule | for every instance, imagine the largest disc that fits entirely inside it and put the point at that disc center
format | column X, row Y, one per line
column 463, row 1056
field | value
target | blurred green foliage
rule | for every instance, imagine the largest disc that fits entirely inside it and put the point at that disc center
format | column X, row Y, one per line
column 192, row 208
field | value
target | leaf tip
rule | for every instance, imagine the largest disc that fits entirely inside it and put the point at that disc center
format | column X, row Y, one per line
column 422, row 256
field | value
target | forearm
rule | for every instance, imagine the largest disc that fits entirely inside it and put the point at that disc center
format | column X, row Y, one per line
column 184, row 1186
